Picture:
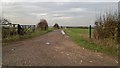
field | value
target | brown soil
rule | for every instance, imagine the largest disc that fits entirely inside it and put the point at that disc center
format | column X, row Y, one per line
column 52, row 49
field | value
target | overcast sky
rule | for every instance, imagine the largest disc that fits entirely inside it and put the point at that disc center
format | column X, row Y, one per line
column 66, row 12
column 59, row 0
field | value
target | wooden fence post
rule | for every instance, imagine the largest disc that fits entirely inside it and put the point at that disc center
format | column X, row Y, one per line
column 19, row 29
column 90, row 31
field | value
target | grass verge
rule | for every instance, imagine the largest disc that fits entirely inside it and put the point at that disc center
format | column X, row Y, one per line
column 81, row 37
column 26, row 36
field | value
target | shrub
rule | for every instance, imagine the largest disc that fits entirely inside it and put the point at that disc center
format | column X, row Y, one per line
column 56, row 26
column 106, row 29
column 106, row 26
column 43, row 25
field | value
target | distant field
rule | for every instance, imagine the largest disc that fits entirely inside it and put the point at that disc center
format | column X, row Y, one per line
column 81, row 37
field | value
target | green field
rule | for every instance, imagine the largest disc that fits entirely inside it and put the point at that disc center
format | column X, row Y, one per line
column 81, row 37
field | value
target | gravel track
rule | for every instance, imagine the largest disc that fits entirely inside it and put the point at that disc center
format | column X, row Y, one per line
column 52, row 49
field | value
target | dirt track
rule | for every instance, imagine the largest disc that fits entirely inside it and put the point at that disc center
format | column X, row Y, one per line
column 52, row 49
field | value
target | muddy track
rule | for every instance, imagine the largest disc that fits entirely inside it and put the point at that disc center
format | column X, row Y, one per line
column 52, row 49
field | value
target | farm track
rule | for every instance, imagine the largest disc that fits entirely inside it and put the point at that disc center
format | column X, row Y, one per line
column 52, row 49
